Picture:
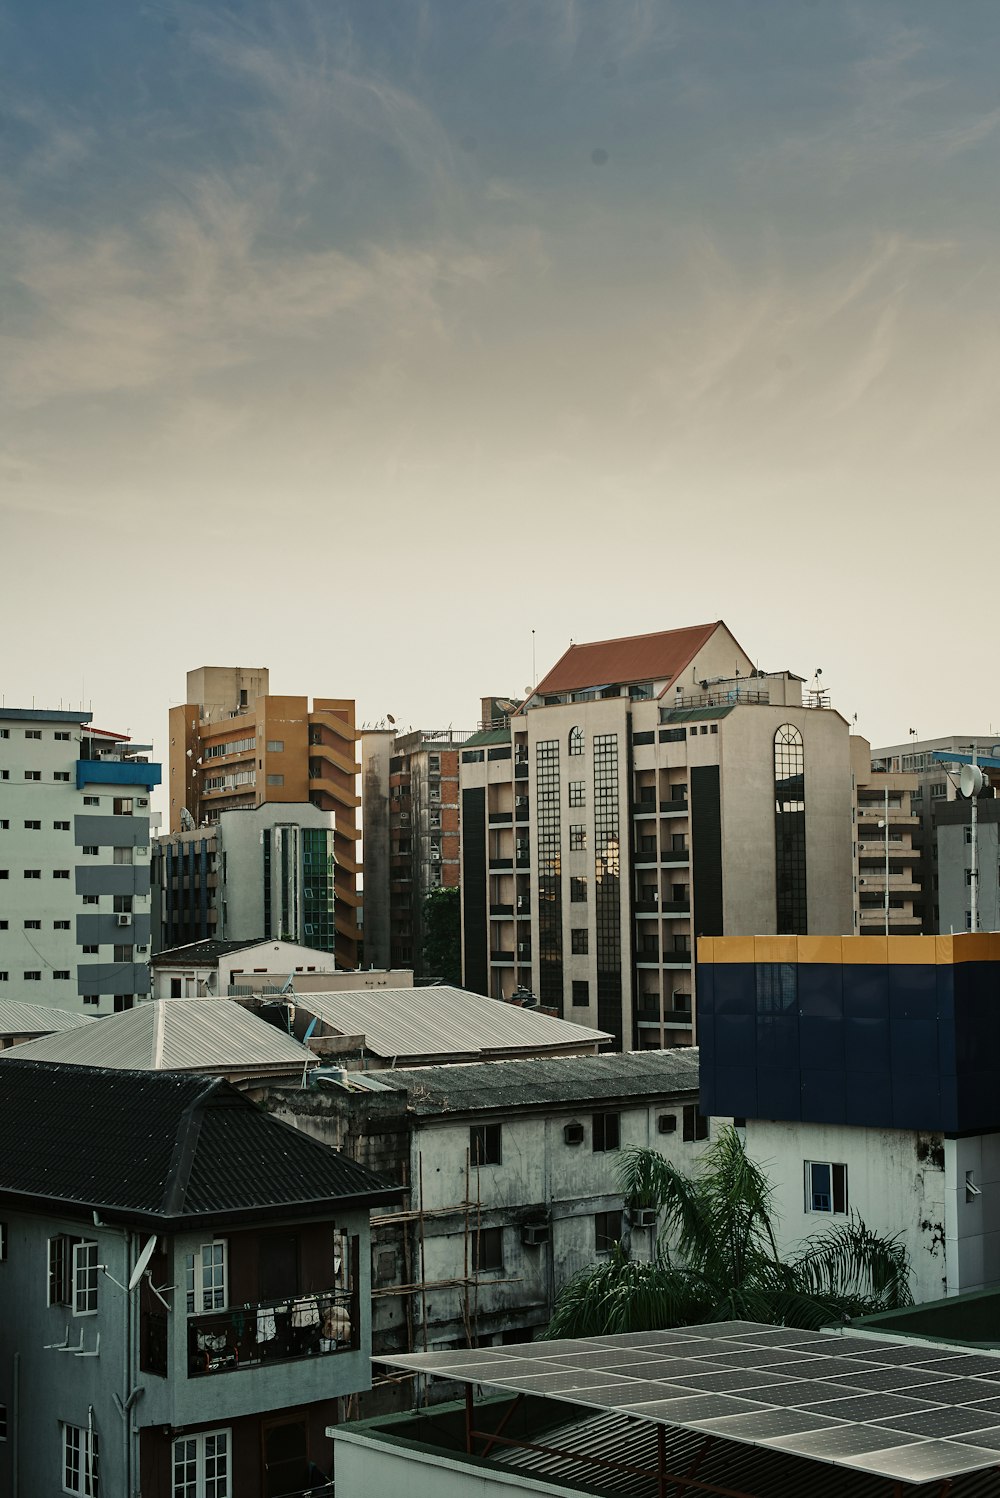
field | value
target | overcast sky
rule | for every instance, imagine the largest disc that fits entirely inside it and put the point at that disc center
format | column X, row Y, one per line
column 360, row 339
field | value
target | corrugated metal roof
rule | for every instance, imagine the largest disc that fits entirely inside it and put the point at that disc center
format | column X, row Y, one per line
column 196, row 1035
column 483, row 1086
column 37, row 1019
column 163, row 1149
column 202, row 951
column 653, row 657
column 442, row 1021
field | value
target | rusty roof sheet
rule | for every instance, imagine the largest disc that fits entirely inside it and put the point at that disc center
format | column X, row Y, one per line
column 634, row 658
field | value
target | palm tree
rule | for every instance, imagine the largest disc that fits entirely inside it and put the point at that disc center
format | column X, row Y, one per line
column 716, row 1257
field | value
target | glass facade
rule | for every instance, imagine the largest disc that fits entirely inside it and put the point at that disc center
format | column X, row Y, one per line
column 607, row 884
column 317, row 888
column 547, row 814
column 790, row 831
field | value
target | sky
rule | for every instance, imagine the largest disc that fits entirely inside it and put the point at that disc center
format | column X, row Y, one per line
column 381, row 342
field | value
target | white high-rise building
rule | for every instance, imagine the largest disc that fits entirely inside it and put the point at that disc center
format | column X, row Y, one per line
column 74, row 862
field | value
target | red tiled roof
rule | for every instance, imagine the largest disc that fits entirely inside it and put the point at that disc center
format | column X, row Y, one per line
column 634, row 658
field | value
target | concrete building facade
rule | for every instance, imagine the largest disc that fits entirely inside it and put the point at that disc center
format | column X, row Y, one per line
column 953, row 862
column 235, row 747
column 74, row 862
column 412, row 836
column 651, row 790
column 262, row 871
column 888, row 876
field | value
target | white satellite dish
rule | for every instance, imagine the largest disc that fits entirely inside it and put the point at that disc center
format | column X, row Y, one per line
column 142, row 1263
column 971, row 781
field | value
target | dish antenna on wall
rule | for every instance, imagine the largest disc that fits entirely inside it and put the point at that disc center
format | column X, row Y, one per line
column 142, row 1262
column 390, row 719
column 971, row 781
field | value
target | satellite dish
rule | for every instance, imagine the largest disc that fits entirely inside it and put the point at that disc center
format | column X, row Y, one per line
column 390, row 719
column 142, row 1263
column 971, row 781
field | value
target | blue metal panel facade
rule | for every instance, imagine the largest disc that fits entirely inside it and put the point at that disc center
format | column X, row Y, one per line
column 905, row 1046
column 116, row 772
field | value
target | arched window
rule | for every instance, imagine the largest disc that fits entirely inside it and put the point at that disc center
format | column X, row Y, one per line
column 790, row 831
column 576, row 740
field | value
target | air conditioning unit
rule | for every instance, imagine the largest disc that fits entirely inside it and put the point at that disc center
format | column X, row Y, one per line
column 123, row 920
column 573, row 1133
column 142, row 949
column 642, row 1217
column 534, row 1234
column 667, row 1123
column 142, row 801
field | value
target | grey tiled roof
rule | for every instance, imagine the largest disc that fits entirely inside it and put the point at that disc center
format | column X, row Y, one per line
column 163, row 1150
column 495, row 1085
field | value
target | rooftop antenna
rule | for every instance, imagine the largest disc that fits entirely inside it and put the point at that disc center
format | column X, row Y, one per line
column 142, row 1262
column 534, row 674
column 971, row 781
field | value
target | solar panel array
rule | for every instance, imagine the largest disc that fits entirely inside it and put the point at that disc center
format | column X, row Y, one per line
column 907, row 1412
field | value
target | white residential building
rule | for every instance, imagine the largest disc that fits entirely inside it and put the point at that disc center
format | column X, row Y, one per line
column 74, row 861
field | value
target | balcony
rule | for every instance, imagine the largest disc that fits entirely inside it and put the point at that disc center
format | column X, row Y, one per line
column 501, row 863
column 280, row 1331
column 676, row 855
column 644, row 809
column 678, row 808
column 520, row 771
column 501, row 817
column 676, row 907
column 498, row 955
column 646, row 856
column 501, row 910
column 646, row 907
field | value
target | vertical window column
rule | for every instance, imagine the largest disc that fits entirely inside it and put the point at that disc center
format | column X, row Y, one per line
column 607, row 884
column 548, row 823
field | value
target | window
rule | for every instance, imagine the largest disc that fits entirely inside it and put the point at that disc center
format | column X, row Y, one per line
column 578, row 891
column 91, row 998
column 85, row 1278
column 123, row 954
column 826, row 1187
column 60, row 826
column 4, row 733
column 4, row 977
column 579, row 943
column 201, row 1466
column 34, row 976
column 485, row 1147
column 576, row 740
column 91, row 800
column 91, row 950
column 60, row 873
column 90, row 850
column 4, row 824
column 123, row 1001
column 206, row 1279
column 487, row 1250
column 32, row 774
column 607, row 1231
column 123, row 855
column 61, row 775
column 577, row 837
column 91, row 899
column 275, row 746
column 33, row 826
column 32, row 873
column 122, row 806
column 80, row 1465
column 606, row 1132
column 276, row 780
column 62, row 737
column 581, row 992
column 32, row 733
column 73, row 1274
column 60, row 925
column 695, row 1124
column 577, row 795
column 60, row 972
column 32, row 925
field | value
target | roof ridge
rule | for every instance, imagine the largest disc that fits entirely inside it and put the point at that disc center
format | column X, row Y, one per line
column 649, row 634
column 158, row 1022
column 185, row 1148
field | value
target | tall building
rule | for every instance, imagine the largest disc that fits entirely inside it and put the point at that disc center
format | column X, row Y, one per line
column 651, row 789
column 410, row 816
column 932, row 801
column 265, row 871
column 234, row 747
column 74, row 861
column 887, row 882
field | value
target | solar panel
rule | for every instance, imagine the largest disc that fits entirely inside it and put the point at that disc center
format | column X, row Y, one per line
column 869, row 1405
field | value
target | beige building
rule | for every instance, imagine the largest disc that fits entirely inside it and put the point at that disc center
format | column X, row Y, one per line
column 234, row 746
column 887, row 851
column 651, row 790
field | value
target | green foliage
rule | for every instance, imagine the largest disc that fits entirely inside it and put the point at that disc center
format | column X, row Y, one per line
column 442, row 950
column 716, row 1257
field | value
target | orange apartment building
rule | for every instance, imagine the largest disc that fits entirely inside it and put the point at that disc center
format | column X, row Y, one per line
column 234, row 746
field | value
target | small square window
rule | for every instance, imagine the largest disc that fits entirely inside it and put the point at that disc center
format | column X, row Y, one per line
column 91, row 899
column 91, row 800
column 32, row 925
column 276, row 780
column 607, row 1231
column 62, row 737
column 90, row 950
column 4, row 977
column 581, row 992
column 34, row 976
column 485, row 1144
column 32, row 873
column 577, row 837
column 579, row 943
column 60, row 873
column 122, row 806
column 695, row 1124
column 577, row 890
column 60, row 826
column 60, row 925
column 60, row 972
column 606, row 1133
column 32, row 733
column 33, row 825
column 577, row 793
column 61, row 775
column 826, row 1187
column 91, row 998
column 90, row 850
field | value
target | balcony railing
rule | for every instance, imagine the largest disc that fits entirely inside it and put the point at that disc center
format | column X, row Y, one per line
column 276, row 1331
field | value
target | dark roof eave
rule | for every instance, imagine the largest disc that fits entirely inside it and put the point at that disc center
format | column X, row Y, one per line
column 327, row 1206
